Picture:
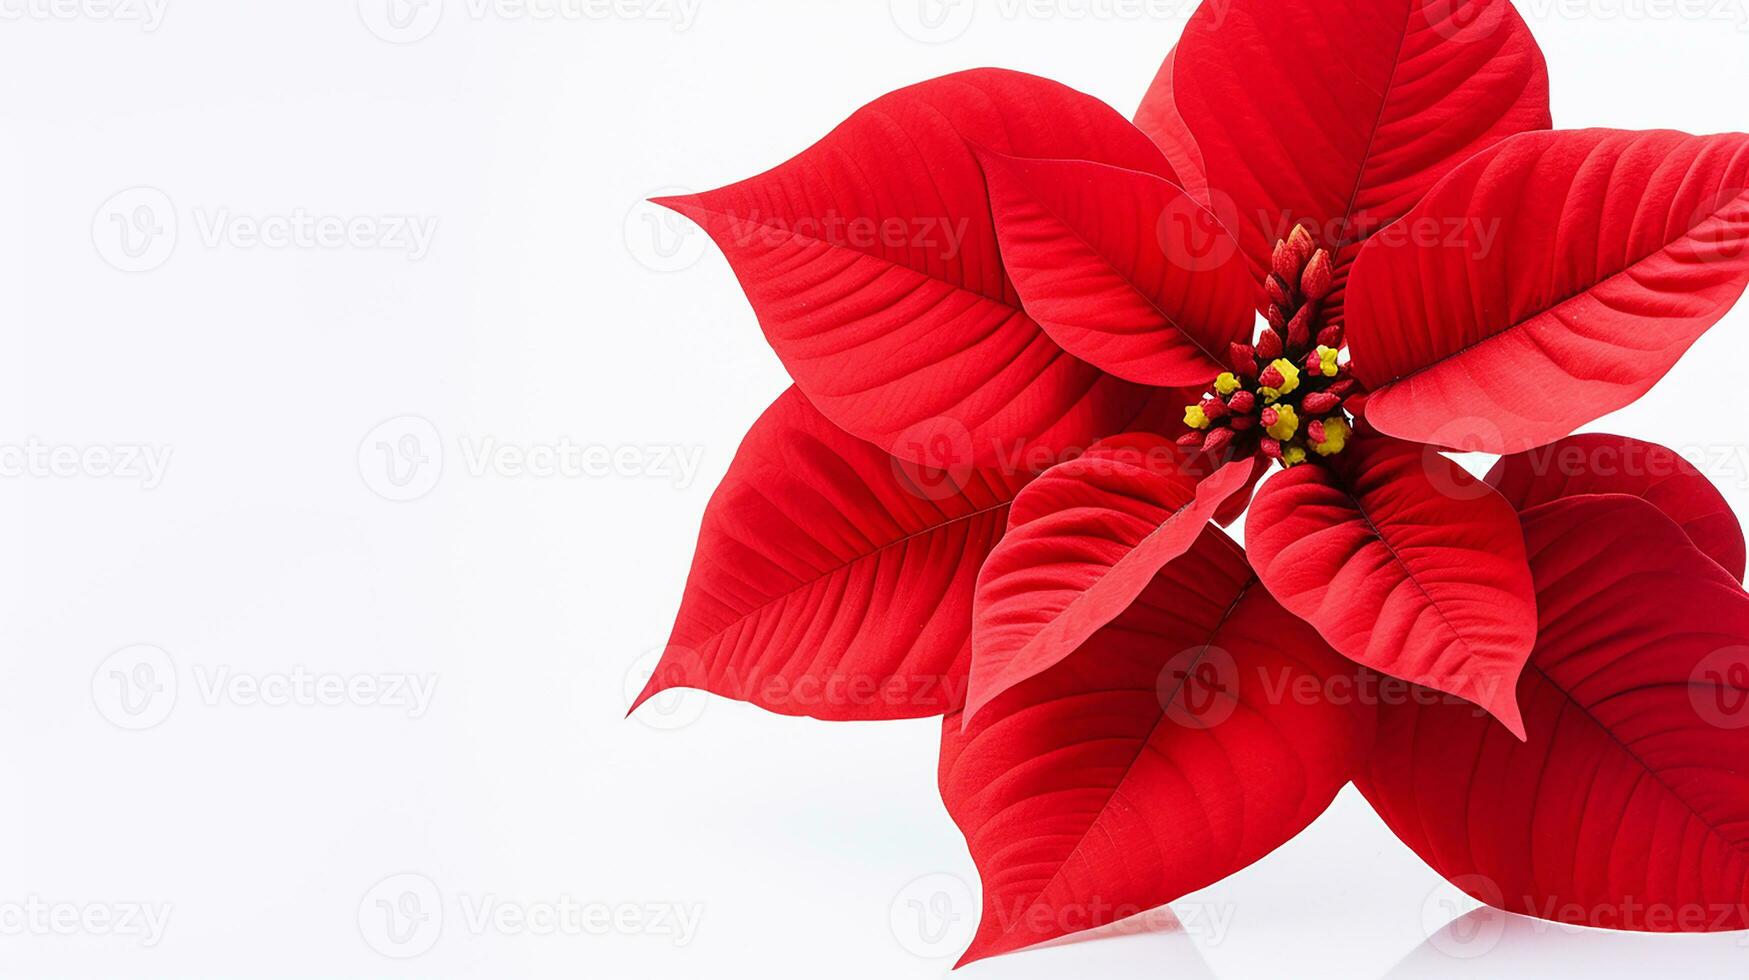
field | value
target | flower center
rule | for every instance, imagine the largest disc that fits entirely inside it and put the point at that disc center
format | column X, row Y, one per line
column 1283, row 397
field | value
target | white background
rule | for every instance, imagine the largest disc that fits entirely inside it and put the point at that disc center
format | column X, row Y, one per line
column 154, row 757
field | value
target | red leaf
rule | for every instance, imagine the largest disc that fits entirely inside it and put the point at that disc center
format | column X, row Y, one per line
column 1083, row 541
column 1158, row 117
column 1628, row 807
column 1577, row 267
column 1122, row 268
column 1404, row 563
column 1596, row 463
column 1176, row 748
column 1340, row 114
column 872, row 263
column 832, row 580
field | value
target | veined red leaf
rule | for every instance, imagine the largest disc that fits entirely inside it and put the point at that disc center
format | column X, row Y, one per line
column 1404, row 563
column 1628, row 807
column 832, row 580
column 1123, row 269
column 1158, row 117
column 1339, row 115
column 1577, row 268
column 1596, row 463
column 1190, row 737
column 1083, row 541
column 872, row 263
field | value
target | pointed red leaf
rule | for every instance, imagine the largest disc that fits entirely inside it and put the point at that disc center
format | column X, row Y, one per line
column 873, row 266
column 1122, row 268
column 1180, row 745
column 1158, row 116
column 1405, row 563
column 1578, row 267
column 1340, row 114
column 1597, row 463
column 831, row 580
column 1083, row 541
column 1628, row 807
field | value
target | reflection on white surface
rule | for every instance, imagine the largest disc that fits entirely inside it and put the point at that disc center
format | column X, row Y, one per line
column 1489, row 942
column 1156, row 945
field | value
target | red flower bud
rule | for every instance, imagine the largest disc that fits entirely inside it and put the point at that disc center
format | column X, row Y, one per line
column 1277, row 319
column 1218, row 440
column 1299, row 329
column 1271, row 377
column 1269, row 346
column 1341, row 388
column 1242, row 358
column 1270, row 417
column 1314, row 432
column 1330, row 337
column 1242, row 402
column 1300, row 243
column 1321, row 403
column 1283, row 262
column 1191, row 439
column 1271, row 448
column 1213, row 407
column 1278, row 290
column 1314, row 363
column 1243, row 423
column 1320, row 274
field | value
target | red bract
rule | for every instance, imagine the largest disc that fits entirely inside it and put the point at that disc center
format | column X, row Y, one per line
column 1028, row 378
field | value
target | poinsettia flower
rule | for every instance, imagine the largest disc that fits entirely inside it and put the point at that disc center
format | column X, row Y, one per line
column 1030, row 381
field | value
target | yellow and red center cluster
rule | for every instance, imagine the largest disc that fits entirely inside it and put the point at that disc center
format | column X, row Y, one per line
column 1283, row 397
